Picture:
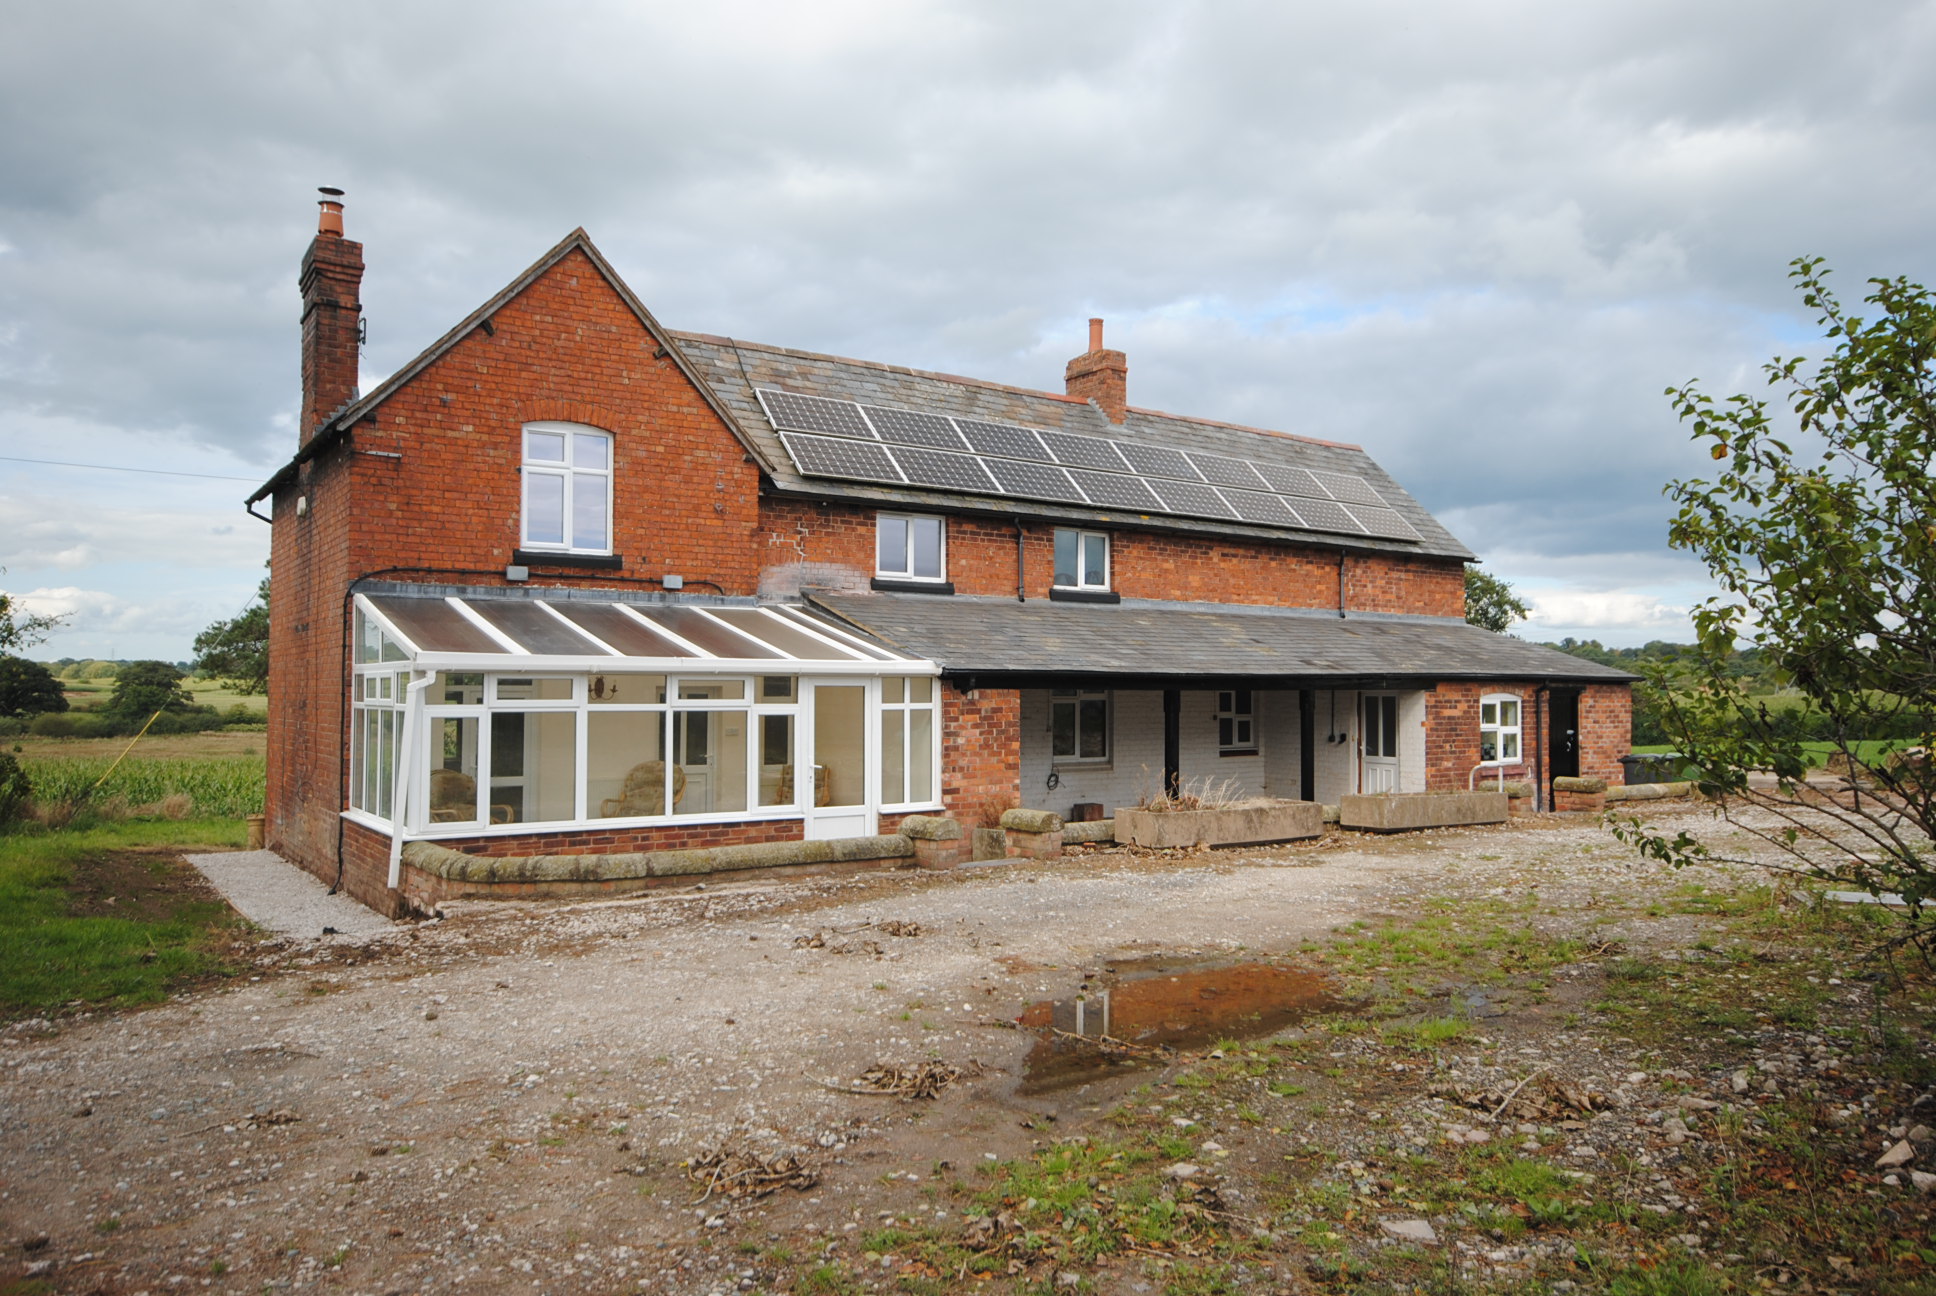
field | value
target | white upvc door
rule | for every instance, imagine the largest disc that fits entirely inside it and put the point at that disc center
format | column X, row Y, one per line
column 1378, row 741
column 840, row 756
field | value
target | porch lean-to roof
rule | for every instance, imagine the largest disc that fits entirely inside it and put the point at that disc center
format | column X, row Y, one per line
column 1001, row 640
column 575, row 630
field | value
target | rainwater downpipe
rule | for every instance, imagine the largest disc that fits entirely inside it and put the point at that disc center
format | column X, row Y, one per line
column 1021, row 566
column 1340, row 584
column 406, row 763
column 1539, row 748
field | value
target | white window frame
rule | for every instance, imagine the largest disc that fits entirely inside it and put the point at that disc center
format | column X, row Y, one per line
column 1491, row 702
column 906, row 571
column 573, row 478
column 378, row 689
column 1085, row 579
column 900, row 713
column 1074, row 698
column 1241, row 722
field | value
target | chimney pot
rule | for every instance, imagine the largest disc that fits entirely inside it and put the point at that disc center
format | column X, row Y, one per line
column 1095, row 334
column 330, row 220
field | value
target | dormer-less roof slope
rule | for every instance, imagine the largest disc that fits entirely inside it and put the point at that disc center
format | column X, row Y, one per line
column 737, row 370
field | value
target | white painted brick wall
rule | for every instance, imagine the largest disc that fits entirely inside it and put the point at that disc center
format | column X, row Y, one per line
column 1136, row 766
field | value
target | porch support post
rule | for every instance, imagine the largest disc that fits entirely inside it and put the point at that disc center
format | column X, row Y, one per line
column 1172, row 741
column 1307, row 750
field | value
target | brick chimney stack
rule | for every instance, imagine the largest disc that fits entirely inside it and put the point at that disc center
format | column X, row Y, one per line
column 332, row 281
column 1101, row 376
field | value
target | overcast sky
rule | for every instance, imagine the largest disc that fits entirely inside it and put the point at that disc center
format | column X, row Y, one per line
column 1478, row 239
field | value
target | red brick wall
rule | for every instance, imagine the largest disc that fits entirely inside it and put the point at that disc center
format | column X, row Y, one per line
column 447, row 506
column 1452, row 731
column 621, row 841
column 981, row 753
column 308, row 693
column 1144, row 564
column 1606, row 730
column 566, row 348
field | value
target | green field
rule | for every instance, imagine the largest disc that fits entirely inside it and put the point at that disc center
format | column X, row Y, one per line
column 218, row 787
column 1869, row 751
column 90, row 695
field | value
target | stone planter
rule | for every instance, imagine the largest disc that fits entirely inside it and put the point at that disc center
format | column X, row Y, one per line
column 989, row 844
column 1251, row 825
column 1410, row 811
column 1580, row 794
column 1033, row 834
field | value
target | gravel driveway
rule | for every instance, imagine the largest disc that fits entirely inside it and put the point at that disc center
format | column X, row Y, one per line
column 501, row 1098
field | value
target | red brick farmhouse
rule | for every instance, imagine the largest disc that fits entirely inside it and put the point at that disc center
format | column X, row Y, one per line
column 570, row 584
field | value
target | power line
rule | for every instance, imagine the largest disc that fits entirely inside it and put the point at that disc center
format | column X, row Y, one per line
column 153, row 472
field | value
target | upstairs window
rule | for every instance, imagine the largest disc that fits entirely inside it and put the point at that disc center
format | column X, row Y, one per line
column 1081, row 559
column 1499, row 729
column 567, row 488
column 910, row 548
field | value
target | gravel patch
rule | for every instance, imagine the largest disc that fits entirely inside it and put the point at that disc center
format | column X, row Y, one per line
column 277, row 896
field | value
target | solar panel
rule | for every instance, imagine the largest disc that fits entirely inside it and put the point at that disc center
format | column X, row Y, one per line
column 905, row 427
column 828, row 457
column 1084, row 452
column 949, row 471
column 1033, row 481
column 1023, row 462
column 1327, row 515
column 1349, row 488
column 1191, row 498
column 1112, row 491
column 1226, row 472
column 1382, row 522
column 1291, row 481
column 1157, row 461
column 1004, row 440
column 1267, row 510
column 814, row 414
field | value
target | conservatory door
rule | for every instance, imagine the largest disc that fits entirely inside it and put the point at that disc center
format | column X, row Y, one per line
column 838, row 797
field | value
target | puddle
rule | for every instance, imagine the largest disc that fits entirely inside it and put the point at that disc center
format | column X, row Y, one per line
column 1174, row 1004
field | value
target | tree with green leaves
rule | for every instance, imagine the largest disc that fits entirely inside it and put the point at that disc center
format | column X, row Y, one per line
column 1490, row 602
column 28, row 688
column 145, row 687
column 19, row 627
column 237, row 650
column 1819, row 528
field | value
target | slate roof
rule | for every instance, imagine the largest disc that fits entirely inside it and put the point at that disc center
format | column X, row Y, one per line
column 733, row 369
column 1000, row 636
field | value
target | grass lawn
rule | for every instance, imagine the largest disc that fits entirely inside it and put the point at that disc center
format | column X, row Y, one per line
column 1869, row 750
column 110, row 915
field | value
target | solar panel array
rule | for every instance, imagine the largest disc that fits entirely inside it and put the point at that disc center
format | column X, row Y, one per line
column 900, row 447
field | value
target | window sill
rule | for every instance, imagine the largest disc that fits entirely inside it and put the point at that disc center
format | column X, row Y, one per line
column 1059, row 594
column 1241, row 751
column 891, row 585
column 548, row 558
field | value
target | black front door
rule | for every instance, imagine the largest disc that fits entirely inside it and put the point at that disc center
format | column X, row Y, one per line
column 1563, row 729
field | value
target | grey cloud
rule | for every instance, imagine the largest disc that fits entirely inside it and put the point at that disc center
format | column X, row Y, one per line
column 1477, row 238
